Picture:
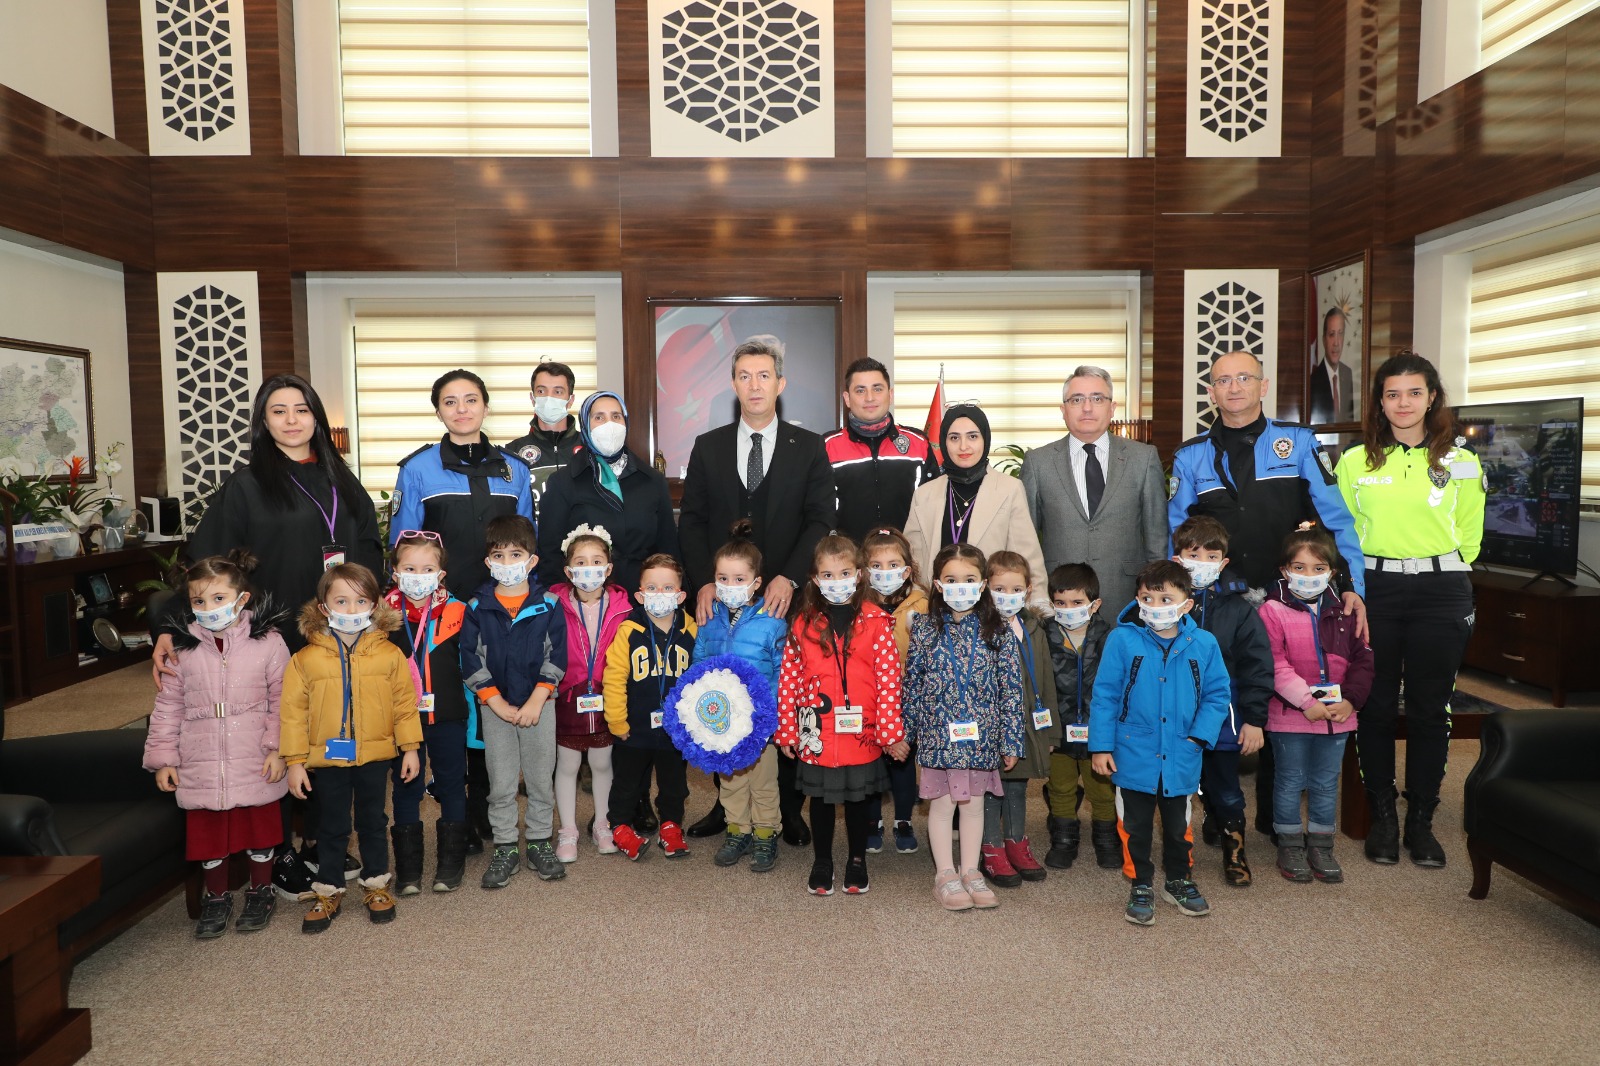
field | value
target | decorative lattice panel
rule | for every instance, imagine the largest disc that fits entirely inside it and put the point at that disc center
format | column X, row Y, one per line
column 195, row 86
column 1226, row 311
column 1235, row 78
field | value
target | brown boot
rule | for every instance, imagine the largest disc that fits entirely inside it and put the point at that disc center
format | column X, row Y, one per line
column 1235, row 869
column 324, row 908
column 378, row 899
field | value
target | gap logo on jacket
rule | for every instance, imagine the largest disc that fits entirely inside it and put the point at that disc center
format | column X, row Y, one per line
column 642, row 666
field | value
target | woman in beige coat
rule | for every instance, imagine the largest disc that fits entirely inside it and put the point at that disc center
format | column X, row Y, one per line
column 972, row 503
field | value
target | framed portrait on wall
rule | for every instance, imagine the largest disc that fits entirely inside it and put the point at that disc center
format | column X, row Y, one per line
column 45, row 407
column 1336, row 331
column 694, row 343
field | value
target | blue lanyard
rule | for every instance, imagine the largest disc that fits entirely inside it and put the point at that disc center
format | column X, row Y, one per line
column 657, row 659
column 958, row 665
column 1315, row 610
column 344, row 677
column 594, row 639
column 1027, row 662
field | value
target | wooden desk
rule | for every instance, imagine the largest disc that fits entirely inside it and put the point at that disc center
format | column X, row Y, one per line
column 36, row 895
column 1354, row 817
column 1540, row 633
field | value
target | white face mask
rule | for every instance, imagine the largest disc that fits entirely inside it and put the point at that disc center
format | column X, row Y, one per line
column 1074, row 617
column 349, row 623
column 509, row 573
column 1307, row 586
column 887, row 582
column 734, row 597
column 1009, row 604
column 587, row 578
column 962, row 597
column 1164, row 616
column 837, row 590
column 1202, row 573
column 609, row 438
column 660, row 604
column 549, row 409
column 222, row 617
column 417, row 586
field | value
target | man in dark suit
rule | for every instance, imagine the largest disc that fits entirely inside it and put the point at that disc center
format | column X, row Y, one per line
column 1333, row 387
column 777, row 475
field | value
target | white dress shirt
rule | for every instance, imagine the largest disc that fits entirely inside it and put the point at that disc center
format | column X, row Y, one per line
column 1080, row 462
column 769, row 441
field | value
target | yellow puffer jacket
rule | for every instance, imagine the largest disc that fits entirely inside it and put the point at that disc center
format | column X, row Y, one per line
column 916, row 602
column 384, row 704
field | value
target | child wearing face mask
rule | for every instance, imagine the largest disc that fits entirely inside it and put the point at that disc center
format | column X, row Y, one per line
column 594, row 609
column 513, row 656
column 839, row 708
column 430, row 635
column 349, row 708
column 1222, row 609
column 1008, row 858
column 1159, row 701
column 739, row 625
column 963, row 704
column 213, row 739
column 895, row 585
column 1323, row 674
column 1077, row 634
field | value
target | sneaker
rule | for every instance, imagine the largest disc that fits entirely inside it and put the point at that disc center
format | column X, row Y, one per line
column 997, row 867
column 1185, row 895
column 502, row 864
column 291, row 877
column 672, row 842
column 215, row 910
column 950, row 892
column 604, row 841
column 567, row 845
column 820, row 883
column 259, row 903
column 629, row 842
column 352, row 866
column 324, row 907
column 855, row 877
column 764, row 854
column 983, row 897
column 542, row 860
column 905, row 838
column 377, row 898
column 1022, row 860
column 1141, row 909
column 735, row 846
column 875, row 839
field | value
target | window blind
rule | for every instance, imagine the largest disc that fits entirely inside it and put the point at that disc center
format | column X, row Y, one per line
column 1011, row 77
column 1534, row 327
column 402, row 346
column 1510, row 24
column 1010, row 351
column 465, row 77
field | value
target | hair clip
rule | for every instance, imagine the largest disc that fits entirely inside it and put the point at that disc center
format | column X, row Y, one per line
column 586, row 530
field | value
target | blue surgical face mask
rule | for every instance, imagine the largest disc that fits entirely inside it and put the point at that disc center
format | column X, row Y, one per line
column 1074, row 617
column 734, row 597
column 887, row 582
column 349, row 623
column 963, row 596
column 1307, row 586
column 660, row 604
column 1009, row 604
column 1162, row 616
column 417, row 586
column 549, row 409
column 587, row 578
column 1202, row 574
column 220, row 618
column 837, row 590
column 509, row 573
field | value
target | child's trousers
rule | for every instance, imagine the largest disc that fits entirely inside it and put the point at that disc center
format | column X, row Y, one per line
column 529, row 752
column 1136, row 812
column 365, row 787
column 1065, row 773
column 1219, row 786
column 630, row 782
column 750, row 797
column 443, row 755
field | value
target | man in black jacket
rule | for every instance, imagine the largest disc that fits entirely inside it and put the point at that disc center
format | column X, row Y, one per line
column 552, row 436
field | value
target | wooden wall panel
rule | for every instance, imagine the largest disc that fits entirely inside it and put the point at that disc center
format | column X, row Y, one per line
column 144, row 379
column 536, row 214
column 372, row 213
column 938, row 214
column 850, row 78
column 633, row 79
column 220, row 213
column 126, row 35
column 30, row 183
column 1082, row 214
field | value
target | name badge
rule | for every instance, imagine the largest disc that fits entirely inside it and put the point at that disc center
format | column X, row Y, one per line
column 332, row 556
column 595, row 704
column 847, row 720
column 1077, row 734
column 1327, row 693
column 425, row 707
column 340, row 749
column 1464, row 471
column 1041, row 718
column 656, row 718
column 963, row 732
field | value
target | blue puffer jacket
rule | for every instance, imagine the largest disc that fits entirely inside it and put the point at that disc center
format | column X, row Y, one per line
column 757, row 638
column 1158, row 704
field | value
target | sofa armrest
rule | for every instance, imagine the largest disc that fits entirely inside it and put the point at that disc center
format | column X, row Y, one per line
column 28, row 827
column 1534, row 745
column 98, row 766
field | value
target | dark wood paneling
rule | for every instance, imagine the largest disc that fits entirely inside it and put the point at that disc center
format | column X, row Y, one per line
column 105, row 206
column 1291, row 374
column 144, row 380
column 269, row 51
column 1082, row 214
column 850, row 78
column 220, row 213
column 938, row 214
column 638, row 359
column 30, row 184
column 275, row 296
column 126, row 34
column 288, row 81
column 1168, row 363
column 364, row 213
column 633, row 79
column 537, row 214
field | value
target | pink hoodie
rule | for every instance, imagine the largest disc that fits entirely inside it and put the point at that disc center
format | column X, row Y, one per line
column 575, row 682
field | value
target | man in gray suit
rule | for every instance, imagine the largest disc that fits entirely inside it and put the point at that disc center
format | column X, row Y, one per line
column 1097, row 498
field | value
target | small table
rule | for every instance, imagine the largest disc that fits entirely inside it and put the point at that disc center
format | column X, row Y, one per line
column 1355, row 819
column 36, row 895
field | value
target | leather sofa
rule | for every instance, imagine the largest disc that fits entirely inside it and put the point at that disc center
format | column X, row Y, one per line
column 88, row 794
column 1533, row 803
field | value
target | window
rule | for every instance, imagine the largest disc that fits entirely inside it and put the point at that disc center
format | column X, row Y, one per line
column 1010, row 78
column 1534, row 328
column 1510, row 24
column 465, row 77
column 1011, row 351
column 402, row 346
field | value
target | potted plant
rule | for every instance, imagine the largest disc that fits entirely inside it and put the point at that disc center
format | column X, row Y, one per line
column 160, row 588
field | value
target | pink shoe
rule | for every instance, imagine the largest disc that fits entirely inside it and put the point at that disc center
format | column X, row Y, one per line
column 950, row 892
column 567, row 845
column 604, row 842
column 983, row 897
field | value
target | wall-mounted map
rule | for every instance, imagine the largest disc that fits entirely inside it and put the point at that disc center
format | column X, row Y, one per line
column 45, row 412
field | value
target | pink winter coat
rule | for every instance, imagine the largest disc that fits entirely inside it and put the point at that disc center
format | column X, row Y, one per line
column 217, row 720
column 575, row 682
column 1304, row 644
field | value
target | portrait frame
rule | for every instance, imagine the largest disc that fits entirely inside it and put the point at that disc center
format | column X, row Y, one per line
column 694, row 341
column 75, row 404
column 1343, row 287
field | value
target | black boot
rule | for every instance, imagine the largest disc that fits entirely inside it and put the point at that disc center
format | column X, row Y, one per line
column 1064, row 834
column 1383, row 836
column 474, row 840
column 407, row 858
column 645, row 821
column 1235, row 867
column 1424, row 847
column 713, row 824
column 450, row 857
column 1107, row 845
column 1209, row 833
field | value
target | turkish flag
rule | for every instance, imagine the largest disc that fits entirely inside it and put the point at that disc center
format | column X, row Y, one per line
column 931, row 428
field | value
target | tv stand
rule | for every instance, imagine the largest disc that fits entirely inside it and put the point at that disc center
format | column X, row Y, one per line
column 1541, row 575
column 1536, row 633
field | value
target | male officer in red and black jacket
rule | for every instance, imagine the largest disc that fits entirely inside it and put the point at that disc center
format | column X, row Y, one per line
column 877, row 464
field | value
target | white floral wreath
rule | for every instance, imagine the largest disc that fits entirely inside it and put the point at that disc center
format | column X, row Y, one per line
column 586, row 530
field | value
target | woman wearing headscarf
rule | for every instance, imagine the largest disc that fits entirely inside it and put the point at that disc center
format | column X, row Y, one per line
column 971, row 503
column 605, row 484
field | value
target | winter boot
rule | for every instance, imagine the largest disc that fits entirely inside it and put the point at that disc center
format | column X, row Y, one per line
column 1022, row 860
column 1383, row 837
column 1210, row 831
column 996, row 866
column 1292, row 858
column 1064, row 833
column 450, row 858
column 1235, row 867
column 1319, row 856
column 377, row 898
column 1424, row 847
column 1107, row 845
column 407, row 841
column 474, row 840
column 325, row 901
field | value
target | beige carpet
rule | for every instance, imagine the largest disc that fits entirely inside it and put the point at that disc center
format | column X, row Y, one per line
column 107, row 702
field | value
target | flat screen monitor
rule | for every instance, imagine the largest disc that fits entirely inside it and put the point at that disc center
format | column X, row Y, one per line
column 1532, row 455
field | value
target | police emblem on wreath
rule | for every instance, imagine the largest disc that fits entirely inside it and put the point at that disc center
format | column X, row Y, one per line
column 721, row 714
column 1283, row 447
column 901, row 443
column 530, row 453
column 1439, row 476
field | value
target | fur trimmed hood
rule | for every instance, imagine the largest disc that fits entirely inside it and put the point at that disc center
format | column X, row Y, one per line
column 261, row 616
column 314, row 624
